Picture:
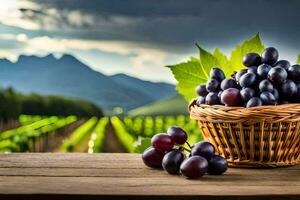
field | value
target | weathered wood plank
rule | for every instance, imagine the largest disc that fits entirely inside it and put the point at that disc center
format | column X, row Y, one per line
column 124, row 175
column 71, row 160
column 138, row 186
column 145, row 172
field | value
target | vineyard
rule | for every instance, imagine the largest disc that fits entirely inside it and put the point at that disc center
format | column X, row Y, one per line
column 93, row 135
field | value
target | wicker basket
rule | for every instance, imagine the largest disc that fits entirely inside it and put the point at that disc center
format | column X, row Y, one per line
column 265, row 136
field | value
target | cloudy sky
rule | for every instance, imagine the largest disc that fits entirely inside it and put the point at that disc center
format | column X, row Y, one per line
column 139, row 37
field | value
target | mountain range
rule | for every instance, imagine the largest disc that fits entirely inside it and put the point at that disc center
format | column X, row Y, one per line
column 67, row 76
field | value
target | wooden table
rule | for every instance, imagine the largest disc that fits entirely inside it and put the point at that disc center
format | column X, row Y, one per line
column 124, row 176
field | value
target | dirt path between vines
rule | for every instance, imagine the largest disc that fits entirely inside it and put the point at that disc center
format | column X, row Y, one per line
column 59, row 139
column 111, row 143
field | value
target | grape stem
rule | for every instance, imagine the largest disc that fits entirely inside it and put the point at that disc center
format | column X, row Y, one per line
column 188, row 144
column 183, row 148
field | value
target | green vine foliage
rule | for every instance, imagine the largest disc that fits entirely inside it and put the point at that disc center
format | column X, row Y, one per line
column 196, row 70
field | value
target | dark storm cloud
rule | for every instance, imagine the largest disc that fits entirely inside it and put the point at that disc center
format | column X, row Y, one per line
column 180, row 23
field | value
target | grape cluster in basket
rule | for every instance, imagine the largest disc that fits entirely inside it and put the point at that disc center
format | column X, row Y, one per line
column 265, row 81
column 167, row 152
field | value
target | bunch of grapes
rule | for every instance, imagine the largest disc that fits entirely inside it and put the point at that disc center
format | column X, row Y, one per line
column 265, row 81
column 167, row 152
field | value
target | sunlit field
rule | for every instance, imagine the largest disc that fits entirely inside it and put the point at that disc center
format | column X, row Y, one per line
column 90, row 135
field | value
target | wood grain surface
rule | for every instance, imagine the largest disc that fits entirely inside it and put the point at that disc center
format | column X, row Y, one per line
column 124, row 176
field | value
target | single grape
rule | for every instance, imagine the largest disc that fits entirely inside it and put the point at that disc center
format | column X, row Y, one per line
column 200, row 100
column 247, row 80
column 201, row 90
column 228, row 83
column 172, row 161
column 251, row 59
column 231, row 97
column 219, row 94
column 268, row 98
column 252, row 69
column 247, row 94
column 253, row 102
column 282, row 63
column 217, row 165
column 296, row 97
column 294, row 73
column 233, row 75
column 275, row 93
column 288, row 89
column 270, row 56
column 217, row 73
column 162, row 142
column 204, row 149
column 266, row 85
column 153, row 157
column 194, row 167
column 212, row 85
column 277, row 75
column 263, row 70
column 284, row 102
column 212, row 98
column 239, row 74
column 177, row 134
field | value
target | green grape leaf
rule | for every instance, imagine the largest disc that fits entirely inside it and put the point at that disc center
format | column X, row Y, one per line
column 298, row 60
column 195, row 59
column 253, row 44
column 142, row 144
column 188, row 75
column 196, row 71
column 223, row 61
column 208, row 61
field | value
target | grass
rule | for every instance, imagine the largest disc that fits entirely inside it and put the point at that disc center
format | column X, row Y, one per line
column 172, row 106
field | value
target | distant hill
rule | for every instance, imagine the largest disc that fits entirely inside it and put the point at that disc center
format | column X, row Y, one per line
column 68, row 76
column 171, row 106
column 147, row 87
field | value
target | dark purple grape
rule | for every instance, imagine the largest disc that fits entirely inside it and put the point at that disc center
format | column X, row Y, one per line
column 217, row 73
column 282, row 63
column 231, row 97
column 253, row 102
column 251, row 59
column 217, row 165
column 201, row 90
column 177, row 134
column 200, row 100
column 275, row 93
column 204, row 149
column 228, row 83
column 252, row 69
column 172, row 161
column 239, row 74
column 268, row 98
column 284, row 102
column 219, row 94
column 294, row 73
column 247, row 93
column 263, row 70
column 247, row 80
column 153, row 157
column 270, row 56
column 194, row 167
column 266, row 85
column 162, row 142
column 233, row 75
column 212, row 98
column 288, row 89
column 277, row 75
column 296, row 97
column 212, row 85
